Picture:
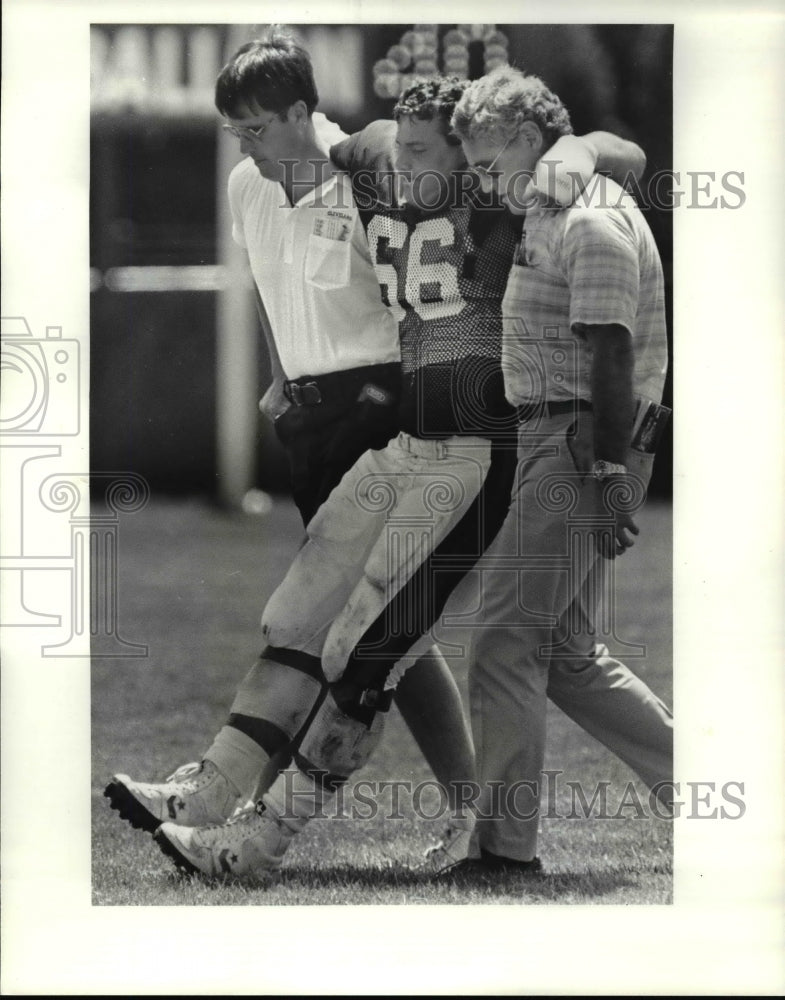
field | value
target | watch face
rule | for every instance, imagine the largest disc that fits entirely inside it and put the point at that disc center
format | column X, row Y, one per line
column 602, row 469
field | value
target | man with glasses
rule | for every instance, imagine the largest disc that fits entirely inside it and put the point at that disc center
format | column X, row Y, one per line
column 585, row 300
column 336, row 362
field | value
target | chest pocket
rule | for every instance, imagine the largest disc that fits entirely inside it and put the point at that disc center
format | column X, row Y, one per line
column 327, row 262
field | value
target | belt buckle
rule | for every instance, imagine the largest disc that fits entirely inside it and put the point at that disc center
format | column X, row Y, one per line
column 310, row 394
column 303, row 395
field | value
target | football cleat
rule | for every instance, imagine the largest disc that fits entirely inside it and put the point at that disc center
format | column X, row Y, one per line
column 452, row 849
column 195, row 795
column 250, row 845
column 189, row 770
column 185, row 771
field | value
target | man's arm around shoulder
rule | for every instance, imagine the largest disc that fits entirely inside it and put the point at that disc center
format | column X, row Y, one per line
column 613, row 408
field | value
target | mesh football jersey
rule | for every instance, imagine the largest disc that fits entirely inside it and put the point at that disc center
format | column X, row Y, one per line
column 443, row 274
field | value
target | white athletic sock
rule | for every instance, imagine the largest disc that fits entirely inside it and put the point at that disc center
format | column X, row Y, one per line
column 239, row 759
column 295, row 798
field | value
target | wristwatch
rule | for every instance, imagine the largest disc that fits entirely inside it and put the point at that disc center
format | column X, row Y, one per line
column 602, row 469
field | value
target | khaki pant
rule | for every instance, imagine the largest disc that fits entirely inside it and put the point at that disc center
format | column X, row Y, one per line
column 539, row 588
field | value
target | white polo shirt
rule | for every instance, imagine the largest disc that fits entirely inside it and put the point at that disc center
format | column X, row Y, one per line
column 313, row 269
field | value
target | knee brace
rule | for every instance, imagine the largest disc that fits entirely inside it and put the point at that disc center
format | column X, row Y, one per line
column 276, row 696
column 338, row 744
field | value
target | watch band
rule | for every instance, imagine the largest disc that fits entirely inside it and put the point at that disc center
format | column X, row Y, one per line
column 602, row 469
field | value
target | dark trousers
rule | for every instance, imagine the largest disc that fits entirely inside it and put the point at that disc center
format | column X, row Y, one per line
column 323, row 440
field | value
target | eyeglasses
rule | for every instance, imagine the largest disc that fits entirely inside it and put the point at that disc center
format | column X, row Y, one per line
column 489, row 171
column 243, row 132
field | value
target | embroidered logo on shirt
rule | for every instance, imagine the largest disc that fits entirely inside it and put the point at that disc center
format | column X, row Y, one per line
column 333, row 226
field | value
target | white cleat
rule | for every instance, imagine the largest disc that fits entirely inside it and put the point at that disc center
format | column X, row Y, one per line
column 452, row 849
column 185, row 771
column 250, row 845
column 195, row 795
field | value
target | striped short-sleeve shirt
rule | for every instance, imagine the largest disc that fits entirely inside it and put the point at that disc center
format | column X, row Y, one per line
column 595, row 263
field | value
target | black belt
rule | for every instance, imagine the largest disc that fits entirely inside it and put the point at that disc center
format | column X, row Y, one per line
column 535, row 411
column 379, row 381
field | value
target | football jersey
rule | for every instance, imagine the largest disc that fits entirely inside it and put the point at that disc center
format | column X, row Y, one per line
column 443, row 273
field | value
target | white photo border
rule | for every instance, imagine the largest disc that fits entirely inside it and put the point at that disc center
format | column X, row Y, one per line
column 724, row 932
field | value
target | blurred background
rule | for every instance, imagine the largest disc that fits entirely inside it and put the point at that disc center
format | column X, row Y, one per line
column 177, row 359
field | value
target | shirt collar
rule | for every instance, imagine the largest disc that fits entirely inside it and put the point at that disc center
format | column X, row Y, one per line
column 324, row 191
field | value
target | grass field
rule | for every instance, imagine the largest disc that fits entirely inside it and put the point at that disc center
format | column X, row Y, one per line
column 193, row 581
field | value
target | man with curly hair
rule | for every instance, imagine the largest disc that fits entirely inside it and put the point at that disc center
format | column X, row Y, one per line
column 585, row 299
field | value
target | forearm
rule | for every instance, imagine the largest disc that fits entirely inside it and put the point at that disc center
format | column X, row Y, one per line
column 275, row 361
column 566, row 169
column 611, row 391
column 273, row 403
column 619, row 158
